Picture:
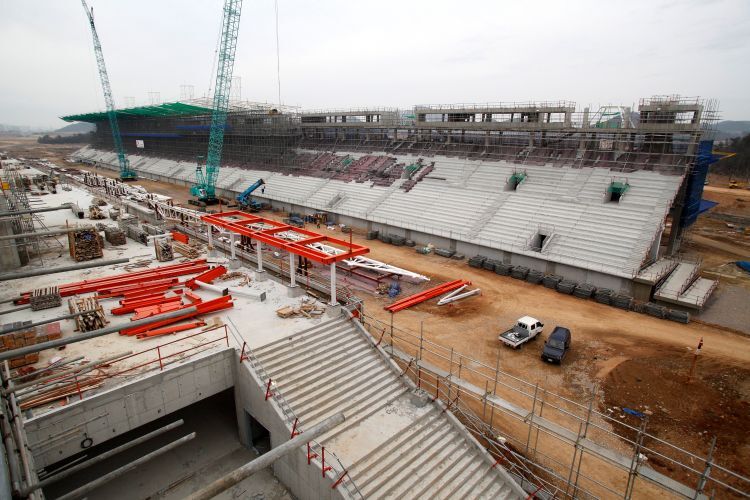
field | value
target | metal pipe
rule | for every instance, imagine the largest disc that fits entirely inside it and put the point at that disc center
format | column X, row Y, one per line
column 35, row 210
column 27, row 306
column 88, row 463
column 43, row 272
column 22, row 351
column 265, row 460
column 48, row 368
column 78, row 370
column 44, row 321
column 79, row 492
column 20, row 434
column 51, row 232
column 10, row 450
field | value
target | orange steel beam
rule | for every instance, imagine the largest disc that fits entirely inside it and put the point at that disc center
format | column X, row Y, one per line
column 238, row 222
column 428, row 294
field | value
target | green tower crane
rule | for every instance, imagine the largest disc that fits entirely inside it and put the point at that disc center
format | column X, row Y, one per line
column 126, row 173
column 205, row 186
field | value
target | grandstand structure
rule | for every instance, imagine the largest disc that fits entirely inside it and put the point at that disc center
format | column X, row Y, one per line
column 594, row 195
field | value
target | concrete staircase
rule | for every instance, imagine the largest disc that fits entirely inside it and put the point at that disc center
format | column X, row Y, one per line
column 395, row 442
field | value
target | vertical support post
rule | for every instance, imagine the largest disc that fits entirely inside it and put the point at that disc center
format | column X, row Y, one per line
column 292, row 271
column 333, row 284
column 324, row 468
column 161, row 364
column 707, row 470
column 210, row 236
column 635, row 462
column 531, row 419
column 231, row 244
column 259, row 254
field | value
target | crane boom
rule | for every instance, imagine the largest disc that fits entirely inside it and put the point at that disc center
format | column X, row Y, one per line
column 205, row 187
column 126, row 173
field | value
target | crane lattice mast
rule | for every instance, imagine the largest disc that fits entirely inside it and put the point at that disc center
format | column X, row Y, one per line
column 126, row 173
column 205, row 187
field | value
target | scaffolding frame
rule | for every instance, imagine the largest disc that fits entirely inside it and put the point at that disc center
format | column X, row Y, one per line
column 518, row 412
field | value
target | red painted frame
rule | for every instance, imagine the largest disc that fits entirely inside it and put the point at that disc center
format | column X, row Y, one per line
column 238, row 222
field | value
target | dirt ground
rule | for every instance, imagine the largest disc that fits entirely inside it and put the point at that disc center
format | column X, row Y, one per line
column 625, row 358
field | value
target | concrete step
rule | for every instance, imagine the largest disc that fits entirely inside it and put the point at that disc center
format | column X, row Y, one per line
column 311, row 362
column 406, row 479
column 467, row 488
column 375, row 479
column 452, row 464
column 427, row 421
column 318, row 329
column 293, row 345
column 338, row 335
column 302, row 389
column 351, row 403
column 357, row 377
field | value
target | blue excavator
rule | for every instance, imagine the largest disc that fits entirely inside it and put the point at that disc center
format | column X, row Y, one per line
column 244, row 200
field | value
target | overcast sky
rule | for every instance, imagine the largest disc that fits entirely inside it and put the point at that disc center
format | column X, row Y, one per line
column 352, row 53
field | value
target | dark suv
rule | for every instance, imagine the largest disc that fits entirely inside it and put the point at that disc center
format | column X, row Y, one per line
column 557, row 345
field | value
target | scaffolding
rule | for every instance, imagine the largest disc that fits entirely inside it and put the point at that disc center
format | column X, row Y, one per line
column 568, row 448
column 34, row 237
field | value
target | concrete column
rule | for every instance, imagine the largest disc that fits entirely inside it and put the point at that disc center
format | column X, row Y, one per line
column 259, row 253
column 210, row 236
column 231, row 243
column 292, row 271
column 333, row 302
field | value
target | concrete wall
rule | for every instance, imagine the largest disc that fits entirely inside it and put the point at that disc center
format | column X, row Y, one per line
column 121, row 409
column 303, row 480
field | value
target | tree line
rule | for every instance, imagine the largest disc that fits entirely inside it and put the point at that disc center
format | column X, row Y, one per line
column 66, row 139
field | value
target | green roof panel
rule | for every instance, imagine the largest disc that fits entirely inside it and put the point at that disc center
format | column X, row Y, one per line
column 160, row 110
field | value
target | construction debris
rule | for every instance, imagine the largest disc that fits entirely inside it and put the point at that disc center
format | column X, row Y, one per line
column 45, row 298
column 84, row 244
column 163, row 249
column 89, row 321
column 96, row 213
column 459, row 294
column 135, row 232
column 307, row 308
column 98, row 202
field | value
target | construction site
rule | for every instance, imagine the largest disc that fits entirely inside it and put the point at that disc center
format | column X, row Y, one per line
column 219, row 298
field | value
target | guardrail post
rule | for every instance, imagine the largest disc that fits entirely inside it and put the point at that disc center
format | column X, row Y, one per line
column 161, row 364
column 310, row 455
column 325, row 468
column 268, row 389
column 339, row 480
column 78, row 388
column 294, row 428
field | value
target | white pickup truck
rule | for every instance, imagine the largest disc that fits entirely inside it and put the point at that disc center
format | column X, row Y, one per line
column 525, row 329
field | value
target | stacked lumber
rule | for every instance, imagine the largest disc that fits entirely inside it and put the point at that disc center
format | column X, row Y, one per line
column 89, row 321
column 114, row 235
column 96, row 213
column 45, row 298
column 306, row 309
column 136, row 233
column 114, row 213
column 186, row 250
column 163, row 248
column 84, row 244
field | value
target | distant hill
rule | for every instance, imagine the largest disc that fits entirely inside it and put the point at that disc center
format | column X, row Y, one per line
column 76, row 128
column 731, row 128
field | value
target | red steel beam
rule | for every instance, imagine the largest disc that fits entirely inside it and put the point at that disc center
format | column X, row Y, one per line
column 238, row 222
column 425, row 295
column 206, row 277
column 218, row 304
column 170, row 329
column 137, row 306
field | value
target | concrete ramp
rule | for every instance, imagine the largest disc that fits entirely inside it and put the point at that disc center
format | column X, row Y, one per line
column 683, row 287
column 395, row 443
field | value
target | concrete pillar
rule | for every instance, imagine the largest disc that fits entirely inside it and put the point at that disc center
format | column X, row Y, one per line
column 259, row 253
column 231, row 243
column 333, row 285
column 210, row 236
column 292, row 271
column 9, row 259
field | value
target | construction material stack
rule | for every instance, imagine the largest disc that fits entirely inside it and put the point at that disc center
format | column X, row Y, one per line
column 94, row 319
column 84, row 244
column 45, row 298
column 96, row 213
column 137, row 234
column 114, row 235
column 26, row 337
column 163, row 248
